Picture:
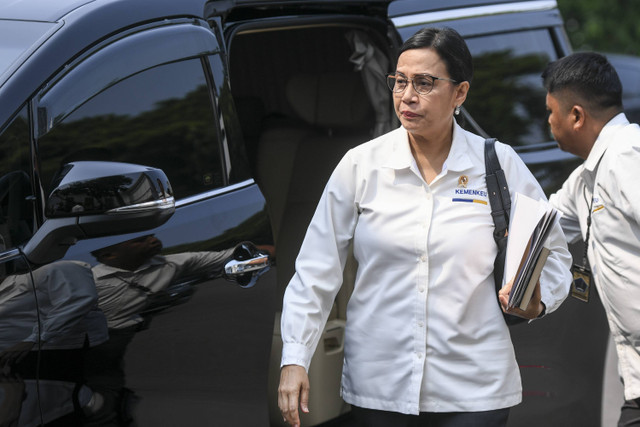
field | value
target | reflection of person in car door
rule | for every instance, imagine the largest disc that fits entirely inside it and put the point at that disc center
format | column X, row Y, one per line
column 132, row 275
column 425, row 340
column 132, row 280
column 63, row 323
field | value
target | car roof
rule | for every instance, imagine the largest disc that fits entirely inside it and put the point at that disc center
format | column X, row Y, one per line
column 53, row 11
column 401, row 7
column 39, row 10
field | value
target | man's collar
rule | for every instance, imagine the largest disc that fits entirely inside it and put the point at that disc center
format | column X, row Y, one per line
column 603, row 140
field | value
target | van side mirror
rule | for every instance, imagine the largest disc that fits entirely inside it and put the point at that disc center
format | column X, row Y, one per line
column 95, row 199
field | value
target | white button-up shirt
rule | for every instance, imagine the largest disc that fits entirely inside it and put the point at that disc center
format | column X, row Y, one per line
column 613, row 169
column 424, row 329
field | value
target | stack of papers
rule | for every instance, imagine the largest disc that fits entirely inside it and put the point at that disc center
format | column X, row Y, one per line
column 529, row 227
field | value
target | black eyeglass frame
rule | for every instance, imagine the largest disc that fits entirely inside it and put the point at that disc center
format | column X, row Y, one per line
column 391, row 82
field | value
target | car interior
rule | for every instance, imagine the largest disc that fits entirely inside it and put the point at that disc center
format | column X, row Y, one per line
column 304, row 98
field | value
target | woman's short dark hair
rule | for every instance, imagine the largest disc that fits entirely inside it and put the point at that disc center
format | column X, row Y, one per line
column 589, row 76
column 449, row 45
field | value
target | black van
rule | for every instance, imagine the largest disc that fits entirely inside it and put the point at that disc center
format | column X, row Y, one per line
column 160, row 163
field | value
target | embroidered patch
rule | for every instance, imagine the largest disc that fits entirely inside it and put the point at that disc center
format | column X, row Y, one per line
column 459, row 194
column 597, row 203
column 463, row 181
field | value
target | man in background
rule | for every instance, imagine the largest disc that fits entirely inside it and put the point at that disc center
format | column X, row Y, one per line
column 600, row 200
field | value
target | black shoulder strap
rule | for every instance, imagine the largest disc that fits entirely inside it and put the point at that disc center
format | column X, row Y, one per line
column 500, row 201
column 498, row 189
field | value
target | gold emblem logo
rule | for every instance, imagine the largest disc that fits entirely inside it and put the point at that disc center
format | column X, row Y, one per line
column 462, row 181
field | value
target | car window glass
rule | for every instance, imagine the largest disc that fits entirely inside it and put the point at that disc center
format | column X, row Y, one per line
column 16, row 203
column 507, row 98
column 18, row 39
column 628, row 73
column 630, row 82
column 117, row 61
column 238, row 168
column 162, row 117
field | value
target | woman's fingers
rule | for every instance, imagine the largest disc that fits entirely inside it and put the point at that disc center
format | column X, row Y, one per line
column 293, row 391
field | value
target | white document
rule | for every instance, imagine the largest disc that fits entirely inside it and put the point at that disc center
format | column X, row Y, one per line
column 529, row 226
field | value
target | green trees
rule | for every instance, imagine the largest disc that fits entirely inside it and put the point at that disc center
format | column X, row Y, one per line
column 605, row 26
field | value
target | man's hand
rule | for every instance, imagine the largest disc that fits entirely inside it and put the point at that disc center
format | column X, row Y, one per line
column 534, row 309
column 293, row 389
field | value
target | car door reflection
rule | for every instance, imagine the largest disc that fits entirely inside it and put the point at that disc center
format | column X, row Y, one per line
column 134, row 281
column 65, row 326
column 46, row 331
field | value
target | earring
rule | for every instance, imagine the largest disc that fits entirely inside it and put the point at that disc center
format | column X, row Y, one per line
column 457, row 110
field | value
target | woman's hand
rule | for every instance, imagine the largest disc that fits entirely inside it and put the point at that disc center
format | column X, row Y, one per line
column 534, row 309
column 293, row 389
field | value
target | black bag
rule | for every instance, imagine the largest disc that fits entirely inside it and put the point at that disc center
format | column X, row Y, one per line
column 500, row 202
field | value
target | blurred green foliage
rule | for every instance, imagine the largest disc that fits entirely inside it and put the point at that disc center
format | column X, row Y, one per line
column 604, row 26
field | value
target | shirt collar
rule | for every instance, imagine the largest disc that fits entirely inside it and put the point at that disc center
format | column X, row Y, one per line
column 458, row 159
column 603, row 140
column 401, row 157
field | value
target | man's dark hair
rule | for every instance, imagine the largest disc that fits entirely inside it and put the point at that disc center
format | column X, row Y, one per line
column 589, row 76
column 449, row 45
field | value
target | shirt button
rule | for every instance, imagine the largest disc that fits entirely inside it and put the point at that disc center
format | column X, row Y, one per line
column 421, row 289
column 419, row 355
column 423, row 258
column 420, row 324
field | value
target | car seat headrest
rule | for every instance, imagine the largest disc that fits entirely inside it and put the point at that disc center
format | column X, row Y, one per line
column 330, row 100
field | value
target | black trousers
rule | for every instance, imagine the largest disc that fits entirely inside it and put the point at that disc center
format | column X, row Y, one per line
column 630, row 414
column 374, row 418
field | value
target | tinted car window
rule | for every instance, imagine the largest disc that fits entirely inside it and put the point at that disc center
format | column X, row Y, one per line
column 628, row 68
column 16, row 205
column 507, row 98
column 162, row 117
column 18, row 37
column 238, row 167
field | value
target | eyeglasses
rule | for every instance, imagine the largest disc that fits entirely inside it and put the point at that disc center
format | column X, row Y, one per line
column 422, row 83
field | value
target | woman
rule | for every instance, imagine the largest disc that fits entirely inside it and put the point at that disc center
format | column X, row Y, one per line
column 425, row 341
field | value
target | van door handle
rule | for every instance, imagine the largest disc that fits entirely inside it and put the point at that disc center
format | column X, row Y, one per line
column 236, row 267
column 247, row 271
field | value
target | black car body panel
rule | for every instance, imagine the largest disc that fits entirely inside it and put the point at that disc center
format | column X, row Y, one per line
column 220, row 96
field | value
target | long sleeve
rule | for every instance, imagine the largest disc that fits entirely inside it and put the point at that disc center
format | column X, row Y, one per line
column 564, row 201
column 555, row 280
column 310, row 294
column 199, row 263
